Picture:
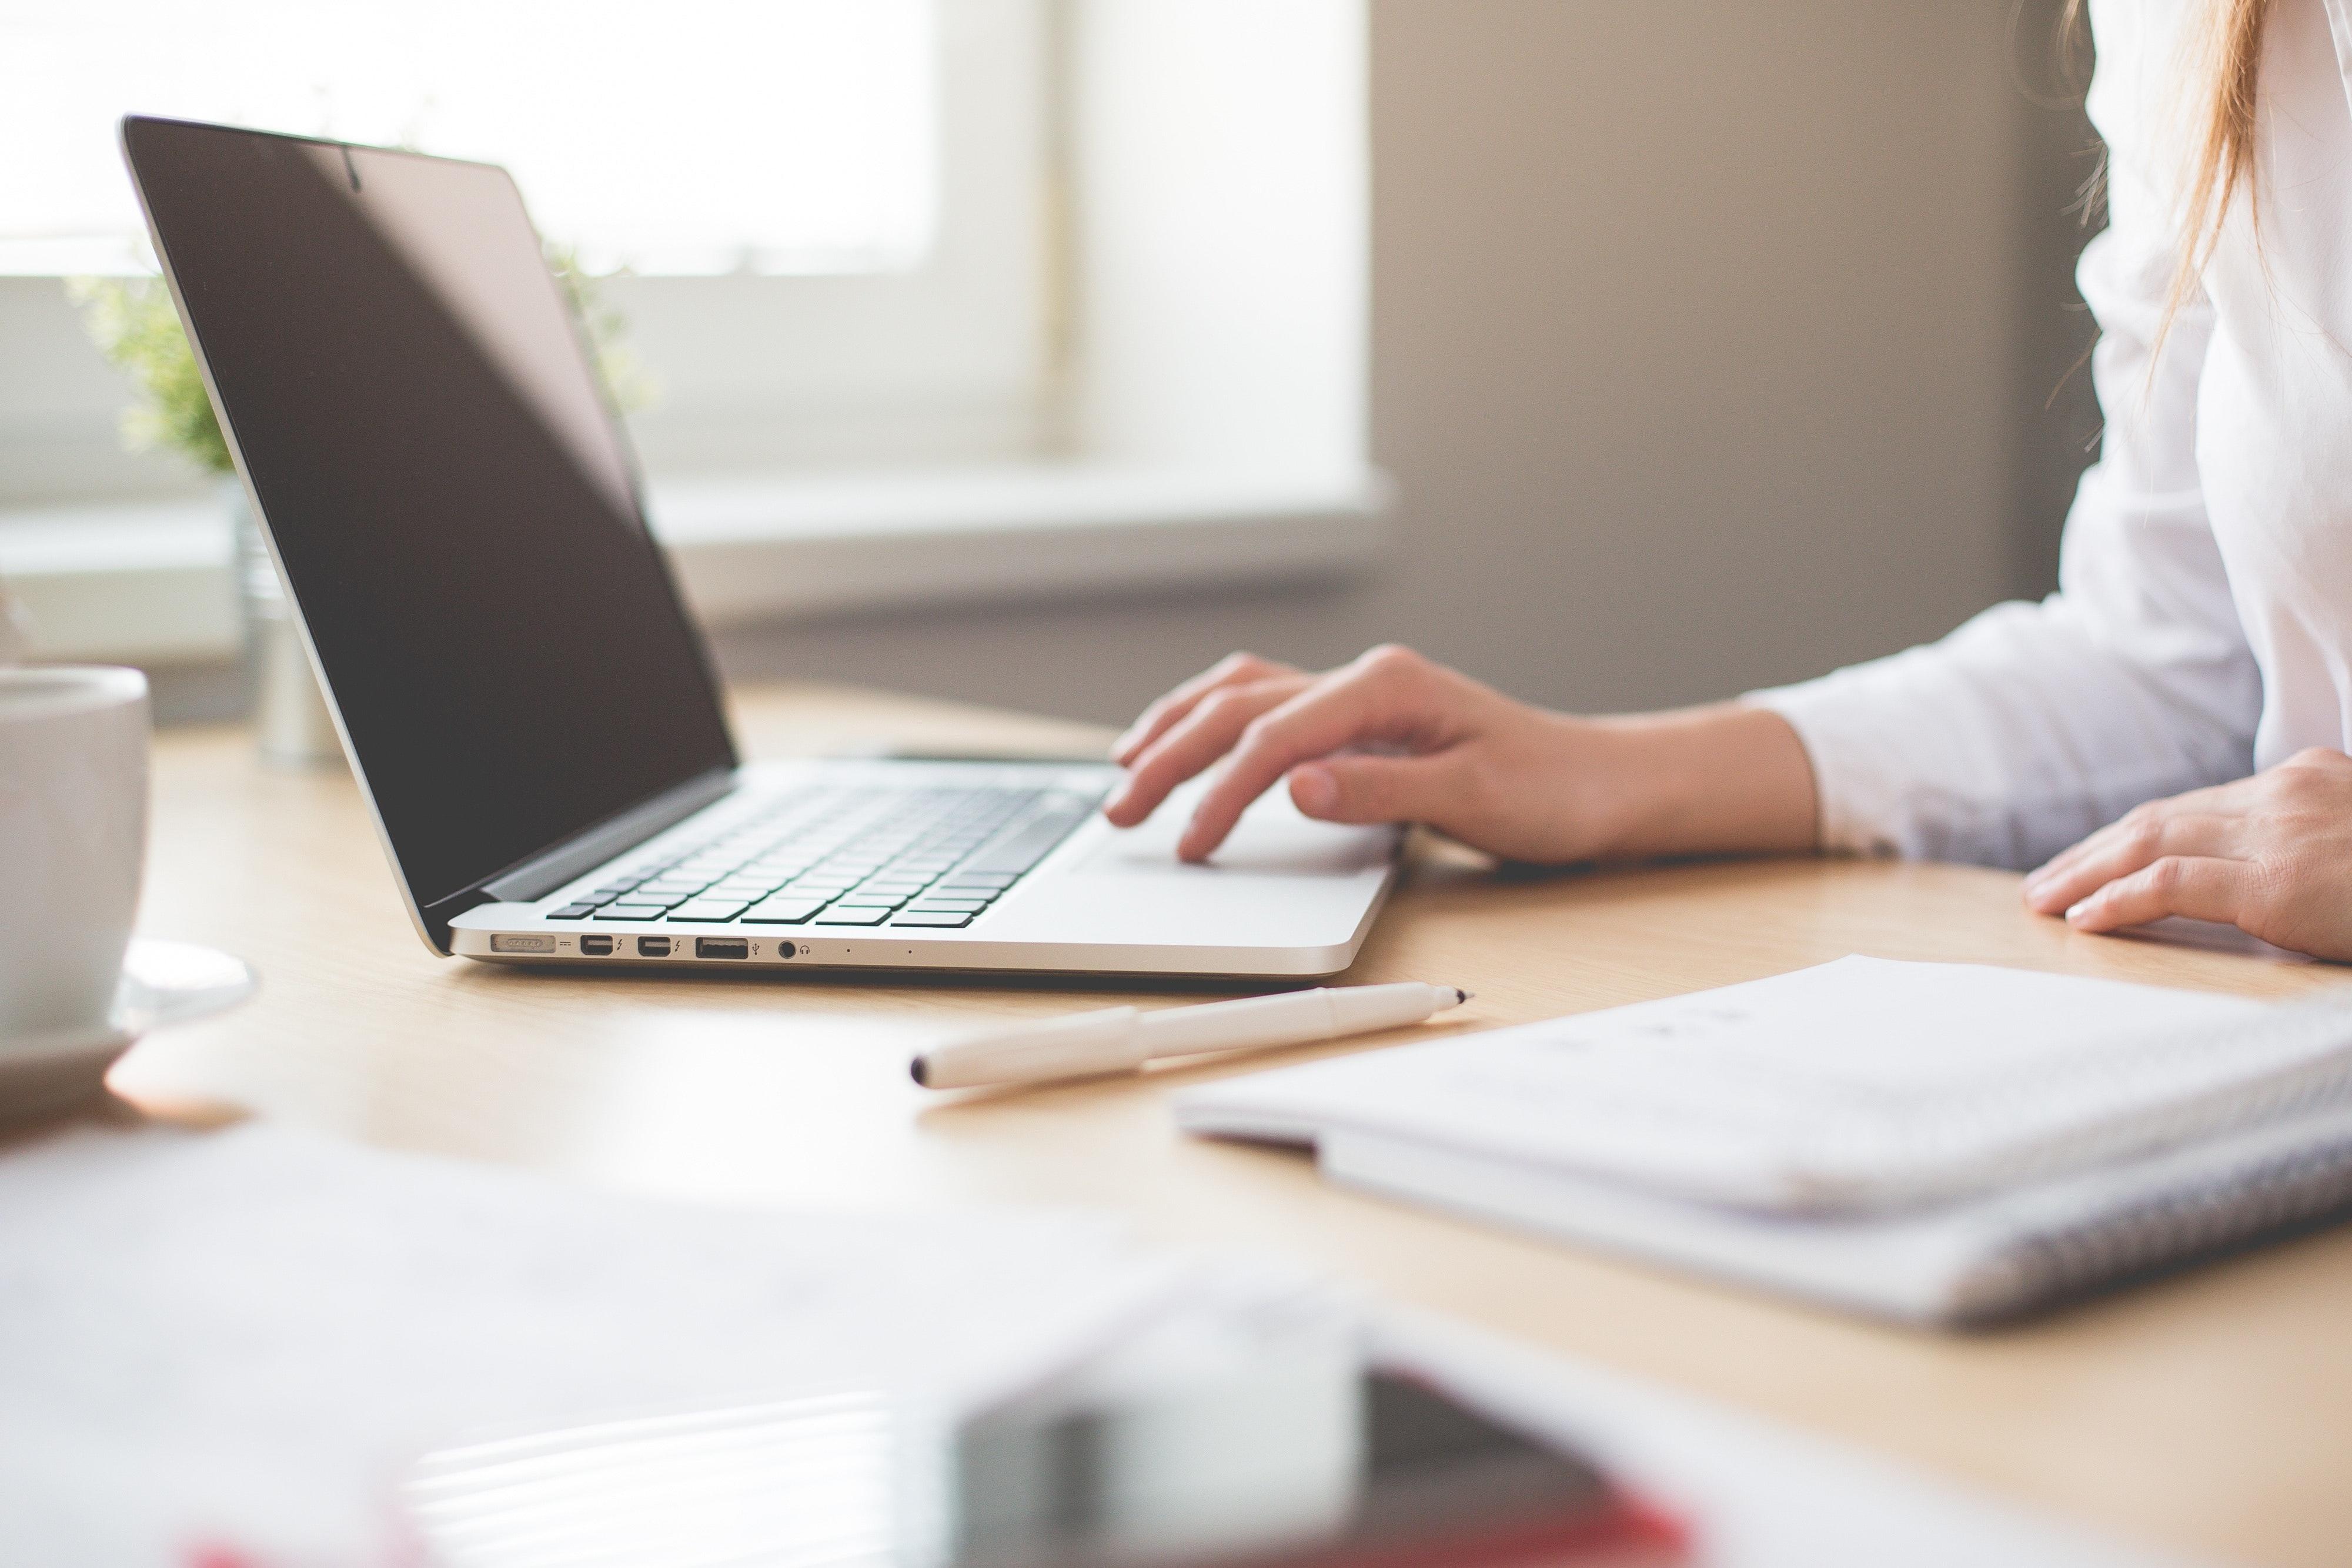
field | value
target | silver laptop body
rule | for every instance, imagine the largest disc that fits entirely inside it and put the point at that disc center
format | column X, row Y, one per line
column 1033, row 878
column 529, row 709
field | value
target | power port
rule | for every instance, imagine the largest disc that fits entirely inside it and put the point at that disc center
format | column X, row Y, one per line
column 522, row 942
column 652, row 947
column 722, row 947
column 596, row 946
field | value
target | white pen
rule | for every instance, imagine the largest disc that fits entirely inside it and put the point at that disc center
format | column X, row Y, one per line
column 1119, row 1040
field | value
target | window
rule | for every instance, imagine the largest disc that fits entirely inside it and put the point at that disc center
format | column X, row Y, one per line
column 697, row 136
column 949, row 299
column 827, row 211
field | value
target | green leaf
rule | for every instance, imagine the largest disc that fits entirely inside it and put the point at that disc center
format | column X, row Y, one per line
column 135, row 326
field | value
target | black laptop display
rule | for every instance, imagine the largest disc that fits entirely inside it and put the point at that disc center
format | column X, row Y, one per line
column 444, row 487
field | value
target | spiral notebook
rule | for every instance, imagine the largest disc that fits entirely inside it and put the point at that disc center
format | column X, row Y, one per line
column 1942, row 1143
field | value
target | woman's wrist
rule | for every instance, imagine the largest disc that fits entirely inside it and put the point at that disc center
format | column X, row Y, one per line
column 1728, row 778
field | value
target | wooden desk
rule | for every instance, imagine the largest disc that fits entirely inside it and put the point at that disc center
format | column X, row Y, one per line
column 2210, row 1413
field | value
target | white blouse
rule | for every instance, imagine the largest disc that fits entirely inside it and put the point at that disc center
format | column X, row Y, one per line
column 2202, row 628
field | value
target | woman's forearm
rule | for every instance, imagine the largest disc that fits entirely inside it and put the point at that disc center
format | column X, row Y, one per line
column 1393, row 737
column 1726, row 778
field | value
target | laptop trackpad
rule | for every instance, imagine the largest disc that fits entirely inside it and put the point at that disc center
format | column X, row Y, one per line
column 1272, row 838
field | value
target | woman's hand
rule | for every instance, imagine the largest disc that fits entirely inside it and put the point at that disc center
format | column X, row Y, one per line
column 2271, row 854
column 1393, row 737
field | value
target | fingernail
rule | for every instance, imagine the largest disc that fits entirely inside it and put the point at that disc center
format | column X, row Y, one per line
column 2076, row 914
column 1188, row 846
column 1313, row 789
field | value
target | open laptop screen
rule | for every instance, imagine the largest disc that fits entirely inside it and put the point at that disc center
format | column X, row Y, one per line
column 447, row 493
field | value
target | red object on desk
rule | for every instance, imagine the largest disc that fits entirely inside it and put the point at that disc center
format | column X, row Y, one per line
column 1628, row 1534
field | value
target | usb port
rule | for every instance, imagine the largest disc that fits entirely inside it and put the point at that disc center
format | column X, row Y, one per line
column 652, row 947
column 722, row 947
column 596, row 946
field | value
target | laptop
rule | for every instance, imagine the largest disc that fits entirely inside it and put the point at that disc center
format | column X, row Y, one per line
column 530, row 712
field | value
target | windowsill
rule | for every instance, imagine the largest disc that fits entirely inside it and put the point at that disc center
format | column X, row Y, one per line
column 149, row 583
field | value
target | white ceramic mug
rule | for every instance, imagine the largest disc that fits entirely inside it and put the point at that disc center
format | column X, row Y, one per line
column 73, row 840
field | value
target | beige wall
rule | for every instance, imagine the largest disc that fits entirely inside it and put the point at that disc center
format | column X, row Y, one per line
column 1710, row 349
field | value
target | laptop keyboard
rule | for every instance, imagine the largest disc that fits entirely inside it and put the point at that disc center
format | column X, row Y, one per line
column 927, row 856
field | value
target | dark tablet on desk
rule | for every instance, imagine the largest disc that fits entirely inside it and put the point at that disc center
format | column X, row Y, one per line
column 1410, row 1477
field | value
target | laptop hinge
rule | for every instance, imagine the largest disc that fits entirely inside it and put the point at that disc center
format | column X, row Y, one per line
column 536, row 877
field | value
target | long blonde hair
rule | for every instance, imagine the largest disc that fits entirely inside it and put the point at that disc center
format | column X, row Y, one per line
column 2221, row 68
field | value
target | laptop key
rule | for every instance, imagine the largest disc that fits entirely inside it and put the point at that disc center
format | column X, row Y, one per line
column 785, row 911
column 950, row 906
column 633, row 912
column 1025, row 845
column 571, row 912
column 710, row 909
column 989, row 881
column 943, row 919
column 862, row 916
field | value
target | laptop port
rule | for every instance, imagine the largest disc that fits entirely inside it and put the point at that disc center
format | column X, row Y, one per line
column 652, row 947
column 596, row 946
column 722, row 947
column 521, row 943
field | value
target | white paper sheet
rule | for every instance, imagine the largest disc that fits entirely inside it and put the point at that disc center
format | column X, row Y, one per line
column 245, row 1338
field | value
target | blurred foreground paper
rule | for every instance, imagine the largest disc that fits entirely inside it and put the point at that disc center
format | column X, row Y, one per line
column 240, row 1342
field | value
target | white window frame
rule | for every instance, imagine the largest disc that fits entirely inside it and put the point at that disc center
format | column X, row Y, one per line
column 1155, row 377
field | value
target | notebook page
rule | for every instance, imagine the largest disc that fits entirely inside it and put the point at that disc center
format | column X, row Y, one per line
column 1861, row 1082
